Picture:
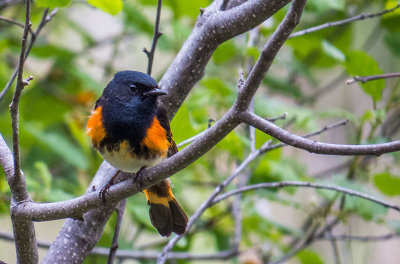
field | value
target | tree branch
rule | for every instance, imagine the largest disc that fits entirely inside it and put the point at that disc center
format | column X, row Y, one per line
column 274, row 185
column 318, row 132
column 315, row 146
column 364, row 79
column 140, row 255
column 268, row 54
column 46, row 18
column 342, row 22
column 24, row 230
column 156, row 36
column 212, row 28
column 13, row 22
column 361, row 238
column 114, row 246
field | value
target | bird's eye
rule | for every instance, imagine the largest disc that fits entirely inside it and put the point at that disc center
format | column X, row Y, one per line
column 132, row 88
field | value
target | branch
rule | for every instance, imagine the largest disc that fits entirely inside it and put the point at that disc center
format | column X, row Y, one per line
column 268, row 54
column 315, row 146
column 342, row 22
column 361, row 238
column 246, row 93
column 212, row 28
column 141, row 255
column 274, row 185
column 113, row 250
column 24, row 230
column 156, row 36
column 45, row 19
column 13, row 22
column 364, row 79
column 318, row 132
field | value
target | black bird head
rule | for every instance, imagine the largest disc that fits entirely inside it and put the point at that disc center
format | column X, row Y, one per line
column 129, row 86
column 129, row 104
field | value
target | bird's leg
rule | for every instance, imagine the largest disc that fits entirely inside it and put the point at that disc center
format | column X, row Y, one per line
column 137, row 179
column 104, row 190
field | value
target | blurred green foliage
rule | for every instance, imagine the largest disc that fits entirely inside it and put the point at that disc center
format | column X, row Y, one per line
column 58, row 159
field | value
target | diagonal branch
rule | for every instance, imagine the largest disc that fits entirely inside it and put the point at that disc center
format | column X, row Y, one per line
column 268, row 53
column 342, row 22
column 213, row 27
column 315, row 146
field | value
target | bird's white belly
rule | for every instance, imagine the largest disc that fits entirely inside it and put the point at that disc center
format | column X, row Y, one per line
column 125, row 161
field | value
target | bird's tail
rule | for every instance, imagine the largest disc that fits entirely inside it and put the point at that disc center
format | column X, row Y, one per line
column 165, row 213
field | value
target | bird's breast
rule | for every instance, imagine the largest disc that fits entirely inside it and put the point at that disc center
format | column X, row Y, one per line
column 125, row 158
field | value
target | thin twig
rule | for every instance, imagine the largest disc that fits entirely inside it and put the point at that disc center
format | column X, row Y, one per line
column 46, row 18
column 274, row 119
column 11, row 21
column 361, row 238
column 342, row 22
column 18, row 190
column 311, row 237
column 113, row 249
column 139, row 255
column 191, row 139
column 156, row 36
column 275, row 185
column 335, row 250
column 318, row 132
column 364, row 79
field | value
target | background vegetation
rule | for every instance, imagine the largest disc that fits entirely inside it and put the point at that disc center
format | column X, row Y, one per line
column 77, row 53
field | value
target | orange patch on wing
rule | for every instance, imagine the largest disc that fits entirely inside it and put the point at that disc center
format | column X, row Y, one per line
column 156, row 138
column 95, row 128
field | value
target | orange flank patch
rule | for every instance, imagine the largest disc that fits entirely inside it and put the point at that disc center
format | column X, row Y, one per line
column 156, row 138
column 95, row 128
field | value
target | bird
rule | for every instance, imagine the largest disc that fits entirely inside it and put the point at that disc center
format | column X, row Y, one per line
column 130, row 128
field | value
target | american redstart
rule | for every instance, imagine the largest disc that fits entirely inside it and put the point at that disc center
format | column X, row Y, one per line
column 130, row 128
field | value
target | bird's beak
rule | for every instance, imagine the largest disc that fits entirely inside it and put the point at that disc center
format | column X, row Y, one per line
column 157, row 92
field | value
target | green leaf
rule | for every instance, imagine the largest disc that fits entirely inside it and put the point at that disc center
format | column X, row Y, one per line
column 391, row 20
column 224, row 52
column 387, row 183
column 216, row 86
column 309, row 257
column 60, row 146
column 44, row 174
column 52, row 3
column 284, row 86
column 181, row 126
column 332, row 51
column 112, row 7
column 359, row 63
column 135, row 18
column 366, row 209
column 392, row 41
